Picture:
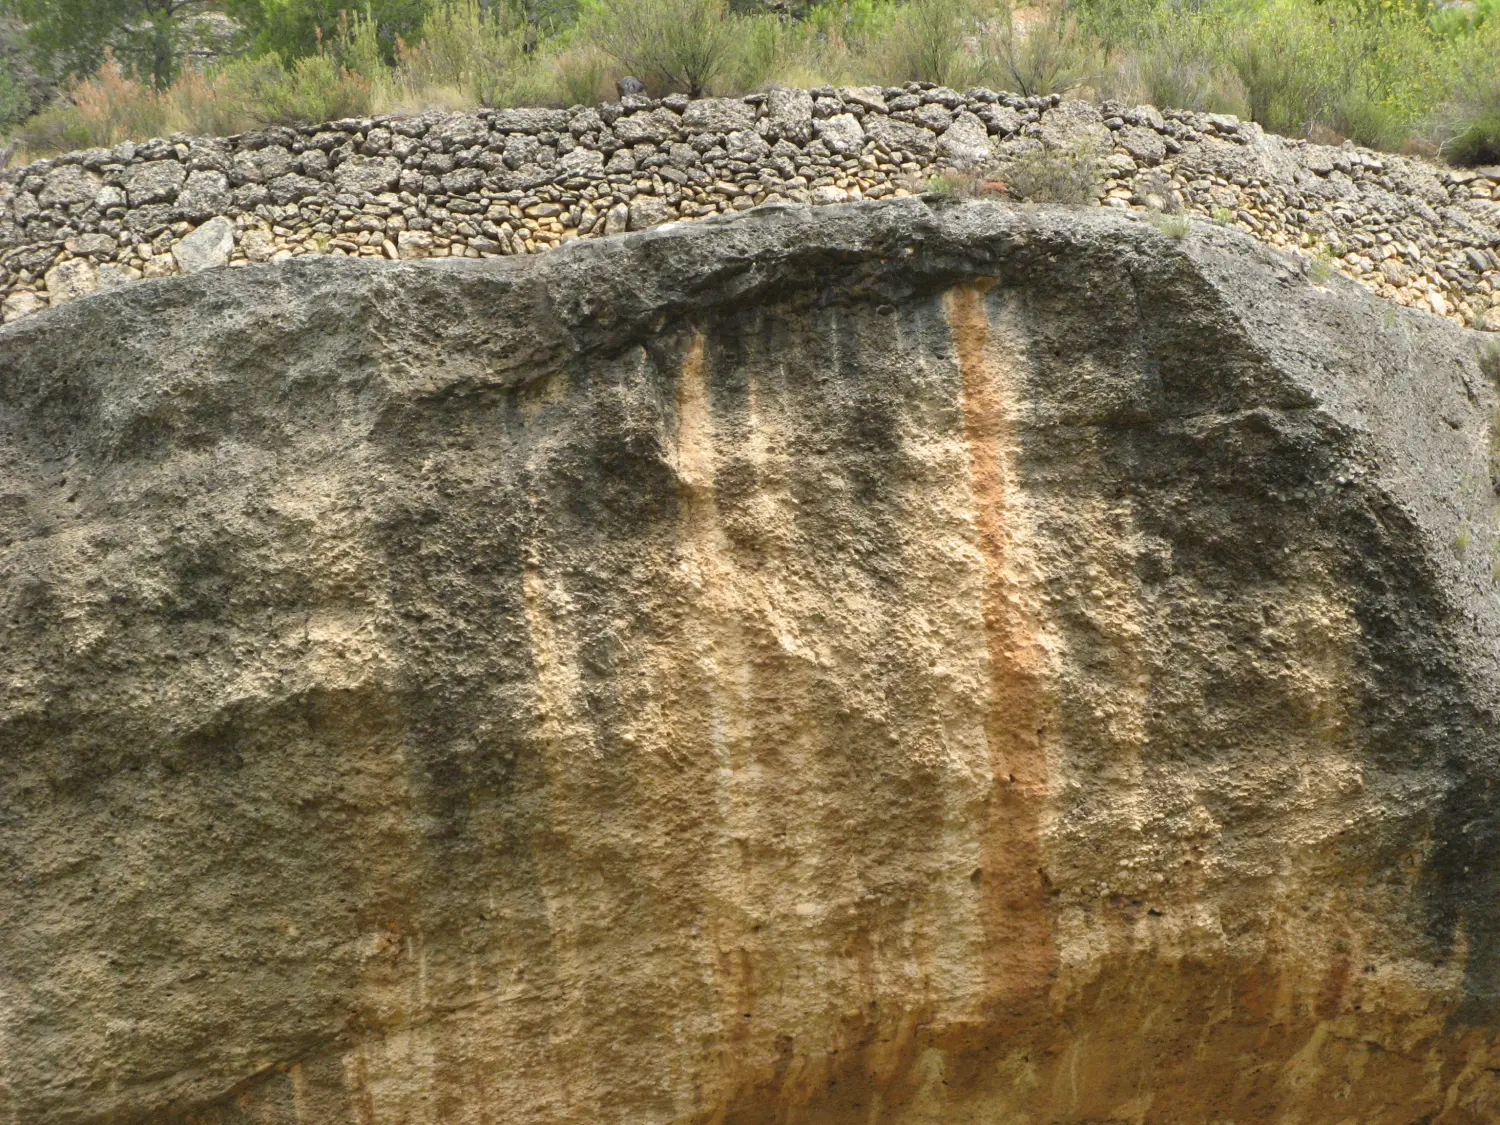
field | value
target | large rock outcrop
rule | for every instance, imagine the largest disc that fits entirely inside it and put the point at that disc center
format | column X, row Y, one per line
column 879, row 663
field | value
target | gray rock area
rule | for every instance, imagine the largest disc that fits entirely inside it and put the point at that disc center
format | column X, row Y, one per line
column 900, row 661
column 206, row 248
column 491, row 183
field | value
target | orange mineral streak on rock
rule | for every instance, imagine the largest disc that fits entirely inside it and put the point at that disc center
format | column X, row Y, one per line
column 1021, row 955
column 673, row 725
column 711, row 689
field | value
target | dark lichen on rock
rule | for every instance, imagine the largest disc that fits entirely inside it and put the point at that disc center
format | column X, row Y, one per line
column 875, row 662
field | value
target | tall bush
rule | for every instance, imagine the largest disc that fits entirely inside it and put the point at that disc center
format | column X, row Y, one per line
column 1168, row 56
column 1280, row 55
column 316, row 88
column 672, row 45
column 15, row 98
column 935, row 41
column 294, row 29
column 1050, row 55
column 468, row 48
column 1469, row 124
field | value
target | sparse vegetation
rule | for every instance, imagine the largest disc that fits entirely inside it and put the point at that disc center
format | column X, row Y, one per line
column 1173, row 226
column 930, row 39
column 1387, row 73
column 1043, row 175
column 14, row 100
column 1320, row 270
column 1462, row 541
column 248, row 92
column 953, row 185
column 1050, row 55
column 1489, row 361
column 1156, row 192
column 671, row 44
column 1469, row 124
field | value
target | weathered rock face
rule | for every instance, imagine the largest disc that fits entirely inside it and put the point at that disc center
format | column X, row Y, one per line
column 871, row 664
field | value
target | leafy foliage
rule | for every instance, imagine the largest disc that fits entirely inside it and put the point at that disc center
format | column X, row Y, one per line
column 929, row 40
column 294, row 29
column 1051, row 55
column 73, row 37
column 15, row 99
column 670, row 44
column 266, row 91
column 1470, row 123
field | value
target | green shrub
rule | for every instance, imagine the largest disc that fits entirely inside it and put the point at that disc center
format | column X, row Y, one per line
column 1365, row 70
column 1052, row 56
column 358, row 48
column 1175, row 59
column 1054, row 176
column 1459, row 20
column 1364, row 73
column 104, row 110
column 585, row 75
column 927, row 41
column 953, row 185
column 837, row 41
column 475, row 50
column 1175, row 227
column 296, row 29
column 58, row 128
column 1278, row 56
column 671, row 45
column 311, row 89
column 1470, row 122
column 1388, row 67
column 196, row 104
column 764, row 50
column 15, row 98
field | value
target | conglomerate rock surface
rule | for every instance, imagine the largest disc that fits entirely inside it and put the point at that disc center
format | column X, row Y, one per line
column 873, row 663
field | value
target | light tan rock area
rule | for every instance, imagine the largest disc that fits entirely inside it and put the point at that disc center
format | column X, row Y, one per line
column 889, row 663
column 519, row 181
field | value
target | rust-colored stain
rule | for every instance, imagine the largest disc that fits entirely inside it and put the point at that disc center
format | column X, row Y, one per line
column 1020, row 948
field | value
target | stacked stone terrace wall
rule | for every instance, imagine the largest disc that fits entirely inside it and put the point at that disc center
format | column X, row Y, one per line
column 519, row 181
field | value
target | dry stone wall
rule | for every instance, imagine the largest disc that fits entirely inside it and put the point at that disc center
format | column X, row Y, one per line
column 519, row 181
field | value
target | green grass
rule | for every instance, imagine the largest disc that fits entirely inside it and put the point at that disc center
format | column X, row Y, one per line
column 1489, row 361
column 1321, row 269
column 952, row 185
column 1173, row 226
